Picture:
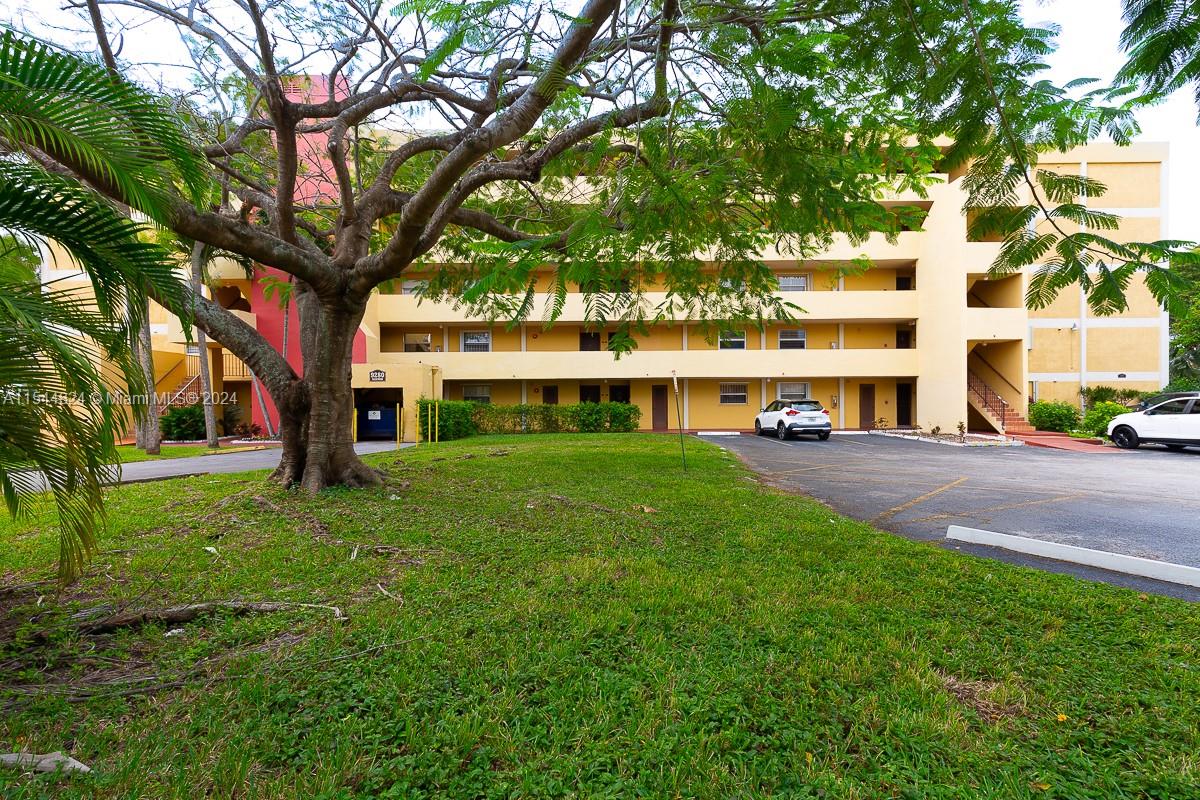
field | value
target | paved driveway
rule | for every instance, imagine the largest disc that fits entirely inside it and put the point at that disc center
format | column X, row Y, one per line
column 1144, row 503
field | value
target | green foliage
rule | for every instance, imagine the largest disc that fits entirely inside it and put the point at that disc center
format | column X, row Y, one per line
column 1162, row 39
column 1096, row 420
column 1045, row 415
column 183, row 423
column 60, row 417
column 450, row 419
column 1108, row 394
column 543, row 418
column 231, row 416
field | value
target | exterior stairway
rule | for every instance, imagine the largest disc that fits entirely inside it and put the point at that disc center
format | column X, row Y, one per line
column 994, row 408
column 185, row 394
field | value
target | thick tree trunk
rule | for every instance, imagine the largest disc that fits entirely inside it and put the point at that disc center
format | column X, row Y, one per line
column 317, row 414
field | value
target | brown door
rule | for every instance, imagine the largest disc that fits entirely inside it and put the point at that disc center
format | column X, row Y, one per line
column 658, row 407
column 866, row 406
column 904, row 404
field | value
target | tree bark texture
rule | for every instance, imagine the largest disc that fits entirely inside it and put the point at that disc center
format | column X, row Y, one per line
column 206, row 386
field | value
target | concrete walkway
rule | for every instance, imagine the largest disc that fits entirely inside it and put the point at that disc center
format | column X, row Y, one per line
column 224, row 463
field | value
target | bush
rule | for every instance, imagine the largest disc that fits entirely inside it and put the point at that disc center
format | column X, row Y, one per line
column 1108, row 394
column 454, row 419
column 183, row 423
column 1053, row 416
column 231, row 415
column 541, row 418
column 1098, row 416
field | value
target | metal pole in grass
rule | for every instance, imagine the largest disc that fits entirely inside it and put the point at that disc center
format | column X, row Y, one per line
column 679, row 419
column 399, row 426
column 437, row 421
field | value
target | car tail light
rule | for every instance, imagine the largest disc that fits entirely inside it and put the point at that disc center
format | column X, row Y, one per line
column 791, row 412
column 825, row 411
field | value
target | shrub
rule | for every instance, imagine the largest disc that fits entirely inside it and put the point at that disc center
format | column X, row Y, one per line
column 183, row 423
column 1108, row 394
column 454, row 418
column 1098, row 416
column 231, row 415
column 541, row 418
column 1046, row 415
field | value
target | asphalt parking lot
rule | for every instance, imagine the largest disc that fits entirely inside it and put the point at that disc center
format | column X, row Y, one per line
column 1142, row 503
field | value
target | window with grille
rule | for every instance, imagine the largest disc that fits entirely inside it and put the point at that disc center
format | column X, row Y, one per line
column 732, row 340
column 792, row 339
column 477, row 392
column 793, row 283
column 477, row 342
column 733, row 394
column 412, row 287
column 418, row 342
column 793, row 391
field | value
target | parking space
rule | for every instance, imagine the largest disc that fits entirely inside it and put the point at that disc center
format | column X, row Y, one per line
column 1141, row 503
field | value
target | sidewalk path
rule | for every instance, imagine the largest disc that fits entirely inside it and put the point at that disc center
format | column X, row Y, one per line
column 225, row 462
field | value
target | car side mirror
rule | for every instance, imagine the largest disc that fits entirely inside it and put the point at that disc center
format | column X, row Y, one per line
column 762, row 410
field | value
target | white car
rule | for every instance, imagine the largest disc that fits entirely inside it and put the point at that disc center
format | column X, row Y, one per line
column 1175, row 423
column 785, row 417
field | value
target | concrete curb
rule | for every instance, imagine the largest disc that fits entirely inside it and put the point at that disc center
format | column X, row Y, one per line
column 1116, row 562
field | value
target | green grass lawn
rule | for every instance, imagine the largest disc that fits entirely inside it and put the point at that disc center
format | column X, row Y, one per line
column 131, row 455
column 572, row 615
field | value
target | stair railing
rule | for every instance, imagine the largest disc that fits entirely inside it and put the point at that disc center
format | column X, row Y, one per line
column 989, row 398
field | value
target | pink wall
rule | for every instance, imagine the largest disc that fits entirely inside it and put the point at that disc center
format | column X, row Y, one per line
column 315, row 181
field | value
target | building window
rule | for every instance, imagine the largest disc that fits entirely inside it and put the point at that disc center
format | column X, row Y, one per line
column 412, row 287
column 792, row 339
column 733, row 394
column 793, row 283
column 589, row 341
column 793, row 391
column 732, row 340
column 477, row 392
column 477, row 342
column 589, row 393
column 418, row 343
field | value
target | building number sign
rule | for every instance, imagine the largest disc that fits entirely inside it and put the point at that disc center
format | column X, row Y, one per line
column 377, row 376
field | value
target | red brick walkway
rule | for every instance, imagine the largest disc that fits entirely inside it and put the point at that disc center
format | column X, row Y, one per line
column 1061, row 441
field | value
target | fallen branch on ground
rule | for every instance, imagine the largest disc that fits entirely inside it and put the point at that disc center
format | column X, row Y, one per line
column 187, row 613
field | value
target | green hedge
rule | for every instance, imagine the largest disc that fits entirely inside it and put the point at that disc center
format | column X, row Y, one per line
column 457, row 419
column 1098, row 416
column 540, row 418
column 1053, row 416
column 453, row 417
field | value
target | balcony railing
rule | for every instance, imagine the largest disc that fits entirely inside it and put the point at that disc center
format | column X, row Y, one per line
column 548, row 365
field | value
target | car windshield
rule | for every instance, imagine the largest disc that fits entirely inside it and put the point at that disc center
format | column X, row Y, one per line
column 806, row 405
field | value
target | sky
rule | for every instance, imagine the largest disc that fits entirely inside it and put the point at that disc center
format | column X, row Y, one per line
column 1088, row 46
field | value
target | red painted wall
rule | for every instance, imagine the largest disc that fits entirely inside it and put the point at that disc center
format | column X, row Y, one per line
column 315, row 182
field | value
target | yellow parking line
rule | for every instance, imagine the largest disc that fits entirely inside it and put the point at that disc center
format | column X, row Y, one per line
column 891, row 512
column 1006, row 507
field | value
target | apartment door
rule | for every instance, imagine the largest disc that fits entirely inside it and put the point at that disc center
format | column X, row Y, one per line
column 866, row 406
column 589, row 341
column 589, row 393
column 658, row 407
column 904, row 340
column 904, row 415
column 550, row 395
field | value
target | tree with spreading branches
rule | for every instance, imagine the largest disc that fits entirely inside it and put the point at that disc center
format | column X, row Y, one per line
column 619, row 144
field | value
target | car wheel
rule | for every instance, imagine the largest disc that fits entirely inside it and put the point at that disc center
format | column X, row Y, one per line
column 823, row 436
column 757, row 428
column 1125, row 437
column 780, row 432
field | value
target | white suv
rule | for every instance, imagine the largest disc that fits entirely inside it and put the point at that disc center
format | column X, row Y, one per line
column 785, row 417
column 1175, row 423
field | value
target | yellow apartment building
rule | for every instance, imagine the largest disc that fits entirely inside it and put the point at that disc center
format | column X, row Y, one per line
column 924, row 337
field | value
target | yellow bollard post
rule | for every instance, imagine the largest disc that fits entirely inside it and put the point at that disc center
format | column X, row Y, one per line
column 437, row 423
column 399, row 425
column 429, row 423
column 354, row 425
